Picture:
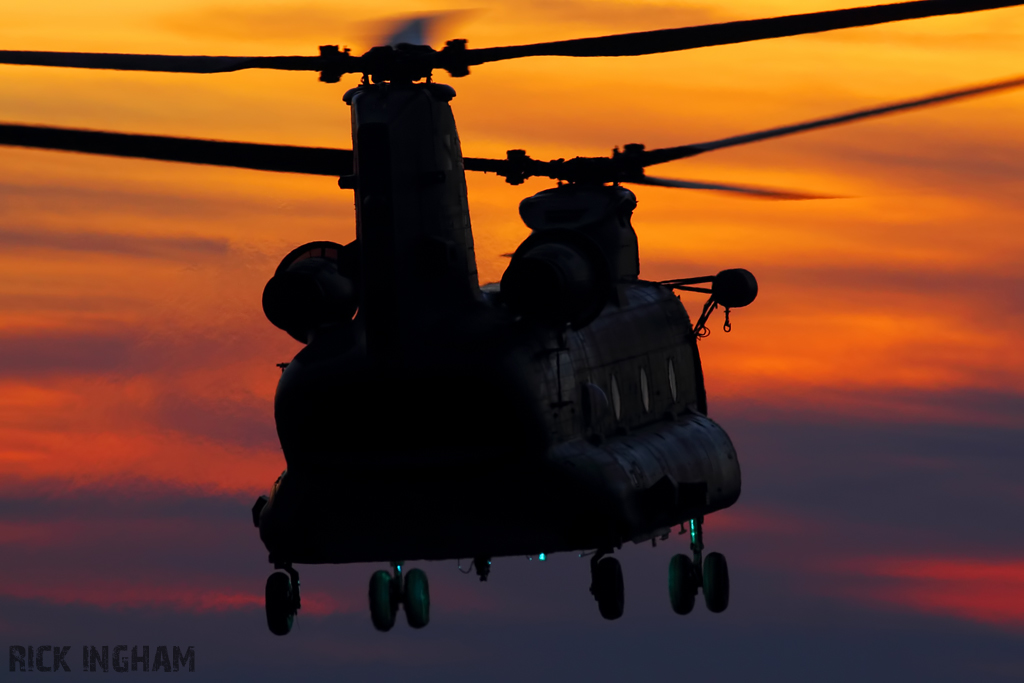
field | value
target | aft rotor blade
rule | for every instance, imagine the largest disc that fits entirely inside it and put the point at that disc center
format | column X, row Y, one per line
column 748, row 190
column 283, row 158
column 498, row 166
column 672, row 40
column 165, row 63
column 660, row 156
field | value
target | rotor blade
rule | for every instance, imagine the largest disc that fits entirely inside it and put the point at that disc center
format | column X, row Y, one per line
column 499, row 166
column 758, row 192
column 671, row 40
column 412, row 31
column 166, row 63
column 420, row 29
column 660, row 156
column 284, row 158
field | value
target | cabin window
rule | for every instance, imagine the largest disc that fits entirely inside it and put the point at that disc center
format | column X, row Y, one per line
column 672, row 379
column 616, row 399
column 645, row 391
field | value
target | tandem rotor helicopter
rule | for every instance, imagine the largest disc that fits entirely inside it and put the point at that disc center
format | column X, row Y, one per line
column 562, row 410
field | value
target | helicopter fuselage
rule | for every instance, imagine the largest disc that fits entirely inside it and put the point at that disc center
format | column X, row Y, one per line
column 517, row 441
column 442, row 422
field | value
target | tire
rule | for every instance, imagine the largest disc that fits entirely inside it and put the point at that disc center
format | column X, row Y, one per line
column 417, row 598
column 608, row 588
column 682, row 584
column 716, row 582
column 280, row 604
column 382, row 607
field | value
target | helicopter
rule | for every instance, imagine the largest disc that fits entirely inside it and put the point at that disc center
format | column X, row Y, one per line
column 560, row 410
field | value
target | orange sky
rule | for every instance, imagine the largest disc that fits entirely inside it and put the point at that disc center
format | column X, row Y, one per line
column 133, row 343
column 909, row 284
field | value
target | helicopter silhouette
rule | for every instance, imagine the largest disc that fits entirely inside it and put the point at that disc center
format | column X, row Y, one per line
column 560, row 410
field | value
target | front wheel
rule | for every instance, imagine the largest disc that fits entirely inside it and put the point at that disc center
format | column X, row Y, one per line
column 607, row 587
column 382, row 606
column 716, row 582
column 682, row 584
column 280, row 604
column 417, row 598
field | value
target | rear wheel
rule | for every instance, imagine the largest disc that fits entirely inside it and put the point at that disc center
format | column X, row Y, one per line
column 417, row 598
column 682, row 584
column 716, row 582
column 607, row 587
column 382, row 606
column 280, row 604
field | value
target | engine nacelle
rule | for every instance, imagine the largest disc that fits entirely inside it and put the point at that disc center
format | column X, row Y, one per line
column 315, row 285
column 558, row 277
column 600, row 212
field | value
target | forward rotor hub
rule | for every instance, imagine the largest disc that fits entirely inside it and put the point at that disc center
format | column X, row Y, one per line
column 402, row 63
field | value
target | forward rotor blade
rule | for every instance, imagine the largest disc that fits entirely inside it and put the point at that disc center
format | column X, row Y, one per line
column 660, row 156
column 748, row 190
column 165, row 63
column 412, row 31
column 283, row 158
column 672, row 40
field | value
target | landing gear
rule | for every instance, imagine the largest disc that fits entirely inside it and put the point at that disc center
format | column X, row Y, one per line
column 282, row 600
column 417, row 599
column 685, row 576
column 682, row 584
column 383, row 606
column 388, row 591
column 716, row 582
column 606, row 586
column 483, row 567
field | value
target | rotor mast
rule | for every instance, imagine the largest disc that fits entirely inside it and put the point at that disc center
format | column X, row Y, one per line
column 412, row 215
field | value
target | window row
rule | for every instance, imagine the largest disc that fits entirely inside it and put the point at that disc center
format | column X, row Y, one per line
column 645, row 389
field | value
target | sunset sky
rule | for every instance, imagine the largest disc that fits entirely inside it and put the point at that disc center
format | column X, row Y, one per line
column 874, row 391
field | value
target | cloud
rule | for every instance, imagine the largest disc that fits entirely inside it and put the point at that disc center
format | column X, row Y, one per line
column 985, row 590
column 118, row 351
column 64, row 352
column 982, row 161
column 246, row 421
column 293, row 22
column 119, row 406
column 936, row 280
column 901, row 36
column 118, row 594
column 132, row 548
column 312, row 22
column 881, row 405
column 361, row 30
column 55, row 198
column 145, row 246
column 616, row 17
column 107, row 380
column 140, row 545
column 122, row 350
column 866, row 282
column 44, row 501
